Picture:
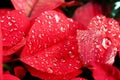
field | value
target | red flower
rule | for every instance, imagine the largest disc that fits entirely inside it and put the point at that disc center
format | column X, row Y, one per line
column 46, row 44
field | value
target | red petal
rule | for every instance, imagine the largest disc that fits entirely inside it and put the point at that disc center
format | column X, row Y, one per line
column 48, row 29
column 34, row 6
column 49, row 76
column 52, row 45
column 14, row 28
column 7, row 59
column 94, row 47
column 85, row 13
column 101, row 45
column 61, row 58
column 108, row 27
column 105, row 72
column 9, row 77
column 4, row 11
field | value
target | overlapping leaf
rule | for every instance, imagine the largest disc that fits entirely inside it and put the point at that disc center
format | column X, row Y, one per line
column 32, row 7
column 105, row 72
column 51, row 45
column 15, row 26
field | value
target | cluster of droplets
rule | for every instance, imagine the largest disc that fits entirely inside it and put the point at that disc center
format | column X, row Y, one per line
column 46, row 29
column 9, row 30
column 51, row 44
column 108, row 27
column 96, row 46
column 43, row 58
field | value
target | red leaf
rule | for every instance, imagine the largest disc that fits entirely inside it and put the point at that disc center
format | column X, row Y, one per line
column 48, row 29
column 108, row 27
column 9, row 77
column 105, row 72
column 61, row 58
column 32, row 7
column 85, row 13
column 94, row 47
column 101, row 42
column 15, row 26
column 49, row 76
column 52, row 46
column 5, row 11
column 7, row 59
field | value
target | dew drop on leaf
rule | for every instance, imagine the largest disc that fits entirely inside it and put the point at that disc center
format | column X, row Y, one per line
column 57, row 18
column 106, row 43
column 62, row 29
column 49, row 70
column 63, row 60
column 71, row 54
column 9, row 23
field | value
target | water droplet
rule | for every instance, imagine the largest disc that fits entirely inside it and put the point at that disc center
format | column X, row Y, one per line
column 40, row 36
column 50, row 70
column 8, row 17
column 36, row 61
column 49, row 22
column 76, row 67
column 46, row 62
column 55, row 60
column 46, row 55
column 46, row 21
column 71, row 20
column 78, row 61
column 38, row 21
column 55, row 40
column 98, row 60
column 106, row 43
column 1, row 20
column 97, row 46
column 42, row 62
column 43, row 59
column 57, row 18
column 73, row 48
column 33, row 36
column 20, row 12
column 119, row 36
column 45, row 46
column 33, row 31
column 4, row 39
column 31, row 64
column 70, row 65
column 111, row 60
column 85, row 62
column 13, row 21
column 14, row 37
column 11, row 30
column 71, row 54
column 49, row 17
column 63, row 60
column 9, row 23
column 54, row 64
column 62, row 29
column 15, row 29
column 114, row 35
column 39, row 46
